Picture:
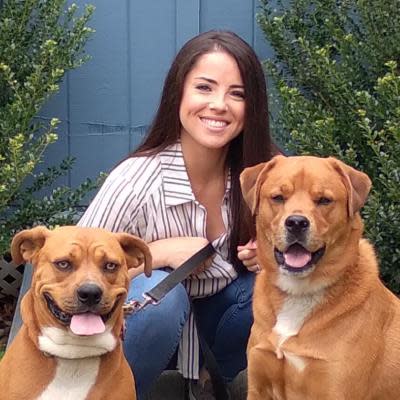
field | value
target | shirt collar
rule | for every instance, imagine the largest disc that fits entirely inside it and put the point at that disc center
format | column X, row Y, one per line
column 176, row 183
column 177, row 188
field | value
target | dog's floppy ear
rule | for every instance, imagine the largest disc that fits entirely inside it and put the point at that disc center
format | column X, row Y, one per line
column 27, row 243
column 136, row 252
column 357, row 185
column 251, row 180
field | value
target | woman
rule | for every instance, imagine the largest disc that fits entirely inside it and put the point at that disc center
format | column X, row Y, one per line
column 180, row 190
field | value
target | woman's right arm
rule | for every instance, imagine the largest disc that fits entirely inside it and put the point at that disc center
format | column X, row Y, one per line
column 173, row 252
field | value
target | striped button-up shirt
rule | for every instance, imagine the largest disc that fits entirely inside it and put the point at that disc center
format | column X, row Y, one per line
column 151, row 197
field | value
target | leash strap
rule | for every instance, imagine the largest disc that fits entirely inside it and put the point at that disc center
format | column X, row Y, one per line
column 218, row 384
column 179, row 274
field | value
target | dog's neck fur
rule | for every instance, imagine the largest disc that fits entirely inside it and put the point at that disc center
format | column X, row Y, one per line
column 64, row 344
column 77, row 361
column 293, row 313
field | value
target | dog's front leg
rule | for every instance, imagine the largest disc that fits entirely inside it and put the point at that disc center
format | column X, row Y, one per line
column 261, row 367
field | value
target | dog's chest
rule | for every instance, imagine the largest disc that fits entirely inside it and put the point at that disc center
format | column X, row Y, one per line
column 73, row 379
column 290, row 319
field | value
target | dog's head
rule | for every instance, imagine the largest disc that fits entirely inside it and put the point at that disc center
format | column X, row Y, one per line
column 305, row 209
column 80, row 277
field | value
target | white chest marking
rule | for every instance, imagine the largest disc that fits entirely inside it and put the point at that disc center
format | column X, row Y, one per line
column 63, row 343
column 73, row 379
column 294, row 312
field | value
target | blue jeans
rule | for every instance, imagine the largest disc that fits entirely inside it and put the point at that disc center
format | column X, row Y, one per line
column 153, row 334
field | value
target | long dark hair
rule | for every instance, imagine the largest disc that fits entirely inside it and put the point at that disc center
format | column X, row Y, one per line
column 251, row 147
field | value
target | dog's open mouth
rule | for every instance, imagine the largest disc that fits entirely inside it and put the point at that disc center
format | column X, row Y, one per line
column 297, row 259
column 82, row 323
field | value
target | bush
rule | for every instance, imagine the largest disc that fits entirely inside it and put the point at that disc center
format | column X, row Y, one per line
column 39, row 41
column 337, row 83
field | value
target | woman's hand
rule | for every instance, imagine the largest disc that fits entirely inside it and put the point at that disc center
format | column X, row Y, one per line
column 248, row 255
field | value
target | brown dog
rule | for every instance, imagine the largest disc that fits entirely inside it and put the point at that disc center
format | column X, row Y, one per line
column 68, row 347
column 325, row 327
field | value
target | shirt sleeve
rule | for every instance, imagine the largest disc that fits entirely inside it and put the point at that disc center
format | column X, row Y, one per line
column 121, row 197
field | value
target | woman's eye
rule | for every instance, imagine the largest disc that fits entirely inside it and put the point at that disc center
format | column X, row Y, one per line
column 110, row 266
column 278, row 198
column 239, row 94
column 323, row 201
column 63, row 265
column 203, row 88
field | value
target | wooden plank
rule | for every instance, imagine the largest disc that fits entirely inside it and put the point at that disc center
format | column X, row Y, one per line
column 97, row 152
column 187, row 21
column 235, row 15
column 98, row 91
column 152, row 47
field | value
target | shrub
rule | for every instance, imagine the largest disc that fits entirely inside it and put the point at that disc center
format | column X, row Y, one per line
column 337, row 84
column 39, row 41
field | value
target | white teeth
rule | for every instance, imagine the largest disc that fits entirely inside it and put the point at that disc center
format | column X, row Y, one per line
column 214, row 123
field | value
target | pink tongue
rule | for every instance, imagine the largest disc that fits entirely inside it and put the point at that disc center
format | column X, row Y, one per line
column 87, row 324
column 297, row 257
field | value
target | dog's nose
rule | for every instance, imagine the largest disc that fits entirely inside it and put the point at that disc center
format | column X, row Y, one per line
column 297, row 224
column 89, row 294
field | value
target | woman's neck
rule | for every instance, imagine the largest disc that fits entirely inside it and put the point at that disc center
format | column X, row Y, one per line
column 203, row 164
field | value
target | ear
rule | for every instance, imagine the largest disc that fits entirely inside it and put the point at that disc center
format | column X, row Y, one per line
column 357, row 185
column 136, row 252
column 251, row 180
column 26, row 244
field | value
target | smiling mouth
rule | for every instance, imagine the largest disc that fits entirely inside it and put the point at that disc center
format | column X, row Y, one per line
column 214, row 123
column 297, row 259
column 66, row 318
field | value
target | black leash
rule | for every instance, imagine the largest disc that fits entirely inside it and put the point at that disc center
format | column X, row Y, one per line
column 167, row 284
column 179, row 274
column 218, row 384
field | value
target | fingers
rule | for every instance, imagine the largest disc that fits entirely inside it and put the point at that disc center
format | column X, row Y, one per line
column 248, row 262
column 254, row 268
column 252, row 264
column 248, row 255
column 250, row 245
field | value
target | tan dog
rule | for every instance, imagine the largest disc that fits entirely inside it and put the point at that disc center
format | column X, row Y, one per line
column 69, row 345
column 325, row 327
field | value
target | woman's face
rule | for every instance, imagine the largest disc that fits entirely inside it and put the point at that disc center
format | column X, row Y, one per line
column 212, row 108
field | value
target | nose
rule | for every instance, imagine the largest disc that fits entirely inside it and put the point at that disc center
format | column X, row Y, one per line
column 297, row 224
column 89, row 294
column 218, row 103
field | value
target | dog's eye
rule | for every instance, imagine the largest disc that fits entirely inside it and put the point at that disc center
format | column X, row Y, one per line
column 323, row 201
column 110, row 266
column 278, row 198
column 63, row 265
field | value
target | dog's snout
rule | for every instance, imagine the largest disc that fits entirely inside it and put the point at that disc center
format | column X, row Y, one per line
column 89, row 294
column 297, row 224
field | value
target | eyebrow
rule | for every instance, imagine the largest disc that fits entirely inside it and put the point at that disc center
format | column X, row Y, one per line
column 215, row 82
